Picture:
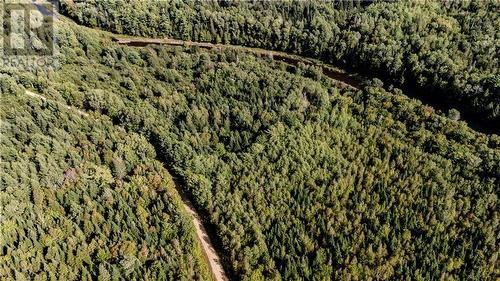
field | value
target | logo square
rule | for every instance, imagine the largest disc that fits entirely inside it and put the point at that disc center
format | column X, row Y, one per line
column 28, row 29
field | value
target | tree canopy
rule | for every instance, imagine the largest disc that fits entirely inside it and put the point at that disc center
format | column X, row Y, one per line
column 445, row 50
column 82, row 199
column 301, row 179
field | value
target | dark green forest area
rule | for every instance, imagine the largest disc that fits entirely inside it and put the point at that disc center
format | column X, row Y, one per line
column 302, row 180
column 81, row 199
column 445, row 50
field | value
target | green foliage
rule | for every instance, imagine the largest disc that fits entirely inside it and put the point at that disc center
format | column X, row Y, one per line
column 447, row 50
column 81, row 199
column 302, row 180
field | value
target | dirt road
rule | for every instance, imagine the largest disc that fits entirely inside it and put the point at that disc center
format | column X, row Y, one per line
column 207, row 246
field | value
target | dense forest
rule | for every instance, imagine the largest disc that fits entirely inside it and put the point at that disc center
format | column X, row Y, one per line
column 82, row 199
column 301, row 179
column 446, row 50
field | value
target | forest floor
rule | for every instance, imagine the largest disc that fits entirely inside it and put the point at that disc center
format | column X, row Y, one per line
column 208, row 249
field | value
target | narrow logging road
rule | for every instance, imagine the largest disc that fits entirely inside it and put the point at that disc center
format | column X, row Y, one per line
column 209, row 252
column 207, row 245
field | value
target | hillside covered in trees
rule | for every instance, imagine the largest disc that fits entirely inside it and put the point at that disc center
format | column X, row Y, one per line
column 81, row 199
column 301, row 179
column 445, row 50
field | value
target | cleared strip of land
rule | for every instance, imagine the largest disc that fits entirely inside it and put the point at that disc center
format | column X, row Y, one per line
column 207, row 245
column 76, row 110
